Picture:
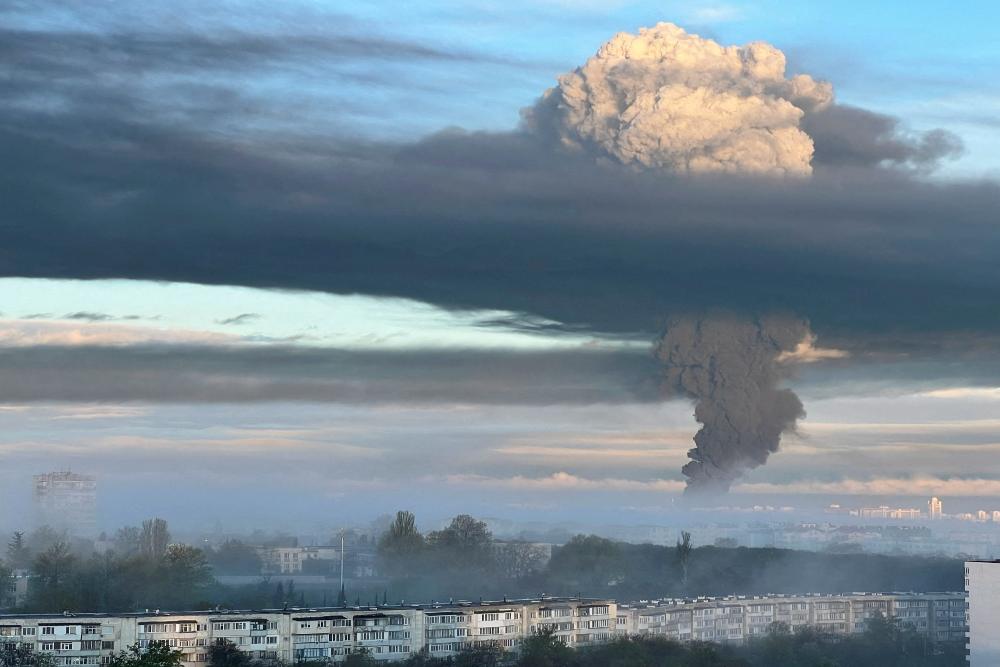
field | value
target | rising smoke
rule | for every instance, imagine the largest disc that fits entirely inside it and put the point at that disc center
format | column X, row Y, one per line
column 731, row 367
column 668, row 99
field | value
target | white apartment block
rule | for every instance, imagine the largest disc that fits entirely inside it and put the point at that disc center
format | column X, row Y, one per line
column 940, row 616
column 982, row 583
column 387, row 633
column 66, row 501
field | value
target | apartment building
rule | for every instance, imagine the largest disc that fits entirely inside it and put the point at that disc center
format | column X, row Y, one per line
column 982, row 583
column 736, row 619
column 388, row 633
column 66, row 501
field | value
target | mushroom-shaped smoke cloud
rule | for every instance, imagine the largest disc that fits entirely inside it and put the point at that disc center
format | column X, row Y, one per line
column 732, row 368
column 668, row 99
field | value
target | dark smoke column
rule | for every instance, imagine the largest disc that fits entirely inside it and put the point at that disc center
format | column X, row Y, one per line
column 731, row 368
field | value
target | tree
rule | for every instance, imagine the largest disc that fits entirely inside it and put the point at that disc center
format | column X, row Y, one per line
column 52, row 569
column 18, row 554
column 187, row 572
column 517, row 559
column 157, row 654
column 545, row 649
column 154, row 538
column 6, row 582
column 401, row 543
column 684, row 555
column 224, row 653
column 45, row 537
column 234, row 557
column 128, row 541
column 466, row 542
column 360, row 658
column 587, row 563
column 484, row 655
column 21, row 655
column 279, row 599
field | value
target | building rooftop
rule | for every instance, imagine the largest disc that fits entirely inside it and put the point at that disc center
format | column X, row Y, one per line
column 302, row 610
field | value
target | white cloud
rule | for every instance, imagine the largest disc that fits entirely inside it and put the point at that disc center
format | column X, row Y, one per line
column 916, row 486
column 672, row 100
column 26, row 333
column 564, row 481
column 989, row 393
column 806, row 352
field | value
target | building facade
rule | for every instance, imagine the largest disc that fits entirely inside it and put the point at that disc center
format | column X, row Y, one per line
column 935, row 508
column 982, row 583
column 66, row 501
column 387, row 633
column 939, row 616
column 390, row 633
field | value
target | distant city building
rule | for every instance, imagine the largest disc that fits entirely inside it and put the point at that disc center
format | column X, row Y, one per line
column 935, row 508
column 359, row 560
column 885, row 512
column 66, row 501
column 982, row 584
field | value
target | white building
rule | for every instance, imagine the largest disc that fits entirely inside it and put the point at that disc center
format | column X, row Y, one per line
column 387, row 633
column 934, row 508
column 390, row 633
column 66, row 501
column 939, row 616
column 982, row 583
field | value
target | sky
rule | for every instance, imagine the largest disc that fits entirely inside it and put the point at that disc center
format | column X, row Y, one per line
column 339, row 259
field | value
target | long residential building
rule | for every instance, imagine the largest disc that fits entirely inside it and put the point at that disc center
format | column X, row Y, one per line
column 387, row 633
column 940, row 616
column 391, row 633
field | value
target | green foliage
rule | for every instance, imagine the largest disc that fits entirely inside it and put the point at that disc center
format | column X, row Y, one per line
column 360, row 659
column 586, row 563
column 157, row 654
column 18, row 553
column 6, row 579
column 235, row 558
column 684, row 550
column 544, row 649
column 466, row 542
column 486, row 655
column 226, row 654
column 884, row 644
column 881, row 646
column 107, row 583
column 400, row 544
column 21, row 655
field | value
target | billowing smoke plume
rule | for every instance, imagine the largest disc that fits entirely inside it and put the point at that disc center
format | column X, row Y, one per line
column 732, row 367
column 668, row 99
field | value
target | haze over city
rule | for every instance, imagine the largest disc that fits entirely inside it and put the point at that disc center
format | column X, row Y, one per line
column 640, row 270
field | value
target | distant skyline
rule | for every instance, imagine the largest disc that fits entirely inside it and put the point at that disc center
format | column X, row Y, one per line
column 251, row 264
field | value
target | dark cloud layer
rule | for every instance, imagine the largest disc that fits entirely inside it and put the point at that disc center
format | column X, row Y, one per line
column 107, row 182
column 177, row 373
column 206, row 374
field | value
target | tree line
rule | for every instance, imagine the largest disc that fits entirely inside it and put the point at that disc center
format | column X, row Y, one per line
column 145, row 569
column 463, row 561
